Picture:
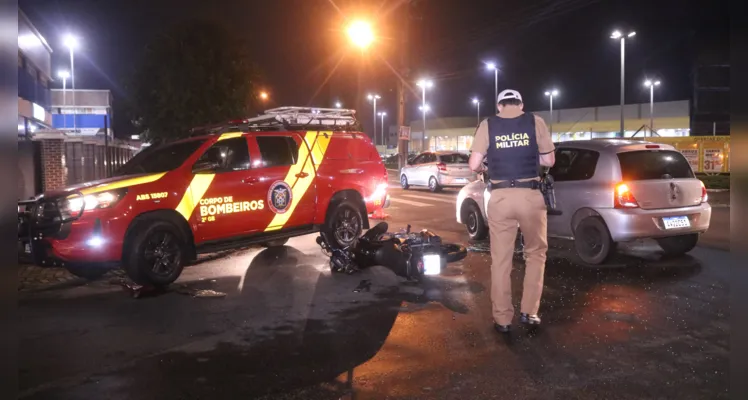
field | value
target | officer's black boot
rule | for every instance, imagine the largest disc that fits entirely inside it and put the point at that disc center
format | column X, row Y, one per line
column 529, row 319
column 502, row 328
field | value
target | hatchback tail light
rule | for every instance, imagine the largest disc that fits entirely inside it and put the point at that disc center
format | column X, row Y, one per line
column 623, row 198
column 704, row 195
column 442, row 167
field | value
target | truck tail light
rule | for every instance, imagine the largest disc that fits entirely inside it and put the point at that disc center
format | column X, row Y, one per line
column 442, row 167
column 704, row 195
column 623, row 198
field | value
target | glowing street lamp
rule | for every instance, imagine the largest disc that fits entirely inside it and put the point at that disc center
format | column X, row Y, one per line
column 264, row 96
column 477, row 104
column 424, row 83
column 361, row 34
column 551, row 94
column 618, row 35
column 338, row 105
column 373, row 98
column 382, row 115
column 651, row 85
column 492, row 66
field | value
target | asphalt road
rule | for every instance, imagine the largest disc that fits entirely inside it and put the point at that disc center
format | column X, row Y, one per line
column 289, row 329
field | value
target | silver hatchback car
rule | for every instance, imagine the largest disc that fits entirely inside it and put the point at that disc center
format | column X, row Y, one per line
column 437, row 170
column 612, row 191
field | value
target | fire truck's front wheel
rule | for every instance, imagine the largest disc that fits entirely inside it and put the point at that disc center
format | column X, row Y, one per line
column 344, row 224
column 156, row 254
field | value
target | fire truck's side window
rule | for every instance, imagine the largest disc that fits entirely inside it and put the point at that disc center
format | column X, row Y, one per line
column 229, row 154
column 277, row 151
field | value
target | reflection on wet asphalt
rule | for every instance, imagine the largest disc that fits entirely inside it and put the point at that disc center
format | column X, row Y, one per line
column 289, row 329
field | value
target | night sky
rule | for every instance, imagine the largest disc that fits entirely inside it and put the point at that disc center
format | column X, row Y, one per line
column 538, row 44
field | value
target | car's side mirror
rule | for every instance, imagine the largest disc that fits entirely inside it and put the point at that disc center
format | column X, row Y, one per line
column 204, row 167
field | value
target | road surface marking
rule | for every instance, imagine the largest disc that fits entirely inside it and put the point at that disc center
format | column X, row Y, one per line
column 410, row 202
column 414, row 196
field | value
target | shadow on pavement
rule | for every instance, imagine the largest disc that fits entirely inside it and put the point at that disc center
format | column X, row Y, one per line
column 286, row 326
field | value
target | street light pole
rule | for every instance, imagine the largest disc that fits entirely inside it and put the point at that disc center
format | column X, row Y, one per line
column 651, row 86
column 551, row 94
column 71, row 42
column 492, row 66
column 477, row 104
column 64, row 75
column 619, row 35
column 374, row 98
column 382, row 114
column 424, row 83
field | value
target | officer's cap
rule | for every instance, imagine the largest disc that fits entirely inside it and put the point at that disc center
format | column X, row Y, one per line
column 509, row 94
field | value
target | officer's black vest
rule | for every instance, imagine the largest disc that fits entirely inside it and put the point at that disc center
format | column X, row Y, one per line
column 513, row 148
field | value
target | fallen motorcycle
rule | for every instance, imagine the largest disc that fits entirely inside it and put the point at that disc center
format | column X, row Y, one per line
column 408, row 254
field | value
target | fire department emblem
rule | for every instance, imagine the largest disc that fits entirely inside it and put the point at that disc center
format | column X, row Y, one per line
column 279, row 197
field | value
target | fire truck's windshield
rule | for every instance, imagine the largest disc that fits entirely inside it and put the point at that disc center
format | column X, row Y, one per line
column 160, row 158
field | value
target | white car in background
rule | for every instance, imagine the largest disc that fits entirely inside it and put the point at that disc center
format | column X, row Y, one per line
column 437, row 170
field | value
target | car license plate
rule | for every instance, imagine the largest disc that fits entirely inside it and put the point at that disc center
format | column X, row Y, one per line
column 461, row 180
column 676, row 222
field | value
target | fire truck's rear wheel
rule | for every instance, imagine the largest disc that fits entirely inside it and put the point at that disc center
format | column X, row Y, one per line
column 344, row 224
column 156, row 254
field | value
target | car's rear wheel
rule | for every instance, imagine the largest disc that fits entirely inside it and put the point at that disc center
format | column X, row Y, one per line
column 344, row 224
column 592, row 241
column 678, row 245
column 275, row 243
column 404, row 182
column 434, row 184
column 156, row 254
column 474, row 222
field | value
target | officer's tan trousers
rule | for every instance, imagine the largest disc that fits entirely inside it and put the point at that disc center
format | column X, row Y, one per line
column 507, row 208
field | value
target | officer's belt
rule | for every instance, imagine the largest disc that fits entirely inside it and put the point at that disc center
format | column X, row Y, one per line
column 535, row 185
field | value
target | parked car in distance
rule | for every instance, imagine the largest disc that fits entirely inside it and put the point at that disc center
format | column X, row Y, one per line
column 612, row 191
column 437, row 170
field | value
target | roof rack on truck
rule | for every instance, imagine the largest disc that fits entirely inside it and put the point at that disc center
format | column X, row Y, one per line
column 287, row 118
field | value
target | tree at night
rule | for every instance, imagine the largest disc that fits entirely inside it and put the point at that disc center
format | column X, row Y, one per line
column 195, row 74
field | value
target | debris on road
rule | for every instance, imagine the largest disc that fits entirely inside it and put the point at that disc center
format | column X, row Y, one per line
column 204, row 293
column 480, row 247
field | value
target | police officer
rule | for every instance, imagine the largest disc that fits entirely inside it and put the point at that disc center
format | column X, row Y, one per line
column 516, row 144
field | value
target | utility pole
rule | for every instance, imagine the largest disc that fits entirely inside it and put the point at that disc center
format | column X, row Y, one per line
column 402, row 145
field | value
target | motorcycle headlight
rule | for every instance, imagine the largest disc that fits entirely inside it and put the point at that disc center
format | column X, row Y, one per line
column 76, row 204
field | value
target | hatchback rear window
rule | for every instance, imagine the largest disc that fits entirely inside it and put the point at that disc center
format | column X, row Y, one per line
column 659, row 164
column 455, row 158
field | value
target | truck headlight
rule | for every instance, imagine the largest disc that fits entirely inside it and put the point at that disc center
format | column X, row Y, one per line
column 77, row 204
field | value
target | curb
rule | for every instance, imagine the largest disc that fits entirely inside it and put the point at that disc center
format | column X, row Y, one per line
column 717, row 190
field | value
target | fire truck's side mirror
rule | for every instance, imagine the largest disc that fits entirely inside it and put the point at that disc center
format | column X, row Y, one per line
column 204, row 167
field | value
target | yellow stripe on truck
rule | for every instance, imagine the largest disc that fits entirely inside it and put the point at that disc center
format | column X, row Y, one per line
column 194, row 193
column 123, row 183
column 229, row 135
column 307, row 161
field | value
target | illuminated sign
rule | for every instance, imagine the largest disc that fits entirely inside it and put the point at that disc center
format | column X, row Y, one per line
column 38, row 112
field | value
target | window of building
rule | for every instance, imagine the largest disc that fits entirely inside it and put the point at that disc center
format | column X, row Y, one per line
column 229, row 155
column 278, row 151
column 574, row 164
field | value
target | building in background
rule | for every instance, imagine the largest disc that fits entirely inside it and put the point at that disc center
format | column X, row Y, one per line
column 34, row 77
column 671, row 119
column 82, row 112
column 51, row 154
